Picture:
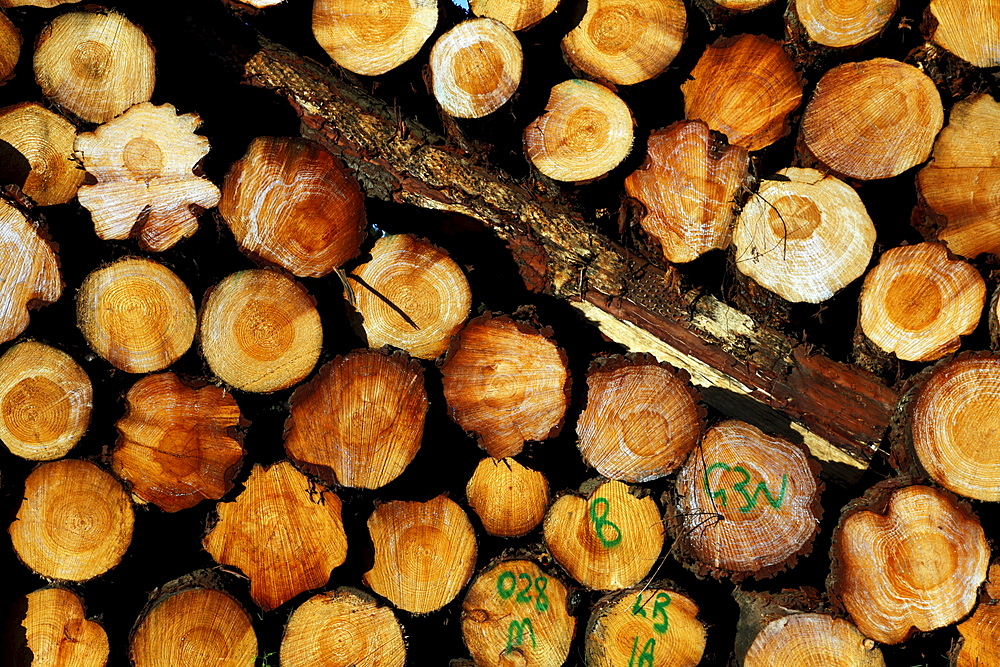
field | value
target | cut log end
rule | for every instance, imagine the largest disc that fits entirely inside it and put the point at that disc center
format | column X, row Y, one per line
column 176, row 444
column 812, row 640
column 58, row 631
column 411, row 295
column 840, row 24
column 507, row 382
column 10, row 47
column 969, row 29
column 45, row 139
column 424, row 553
column 45, row 401
column 29, row 271
column 361, row 418
column 641, row 419
column 137, row 314
column 94, row 64
column 607, row 540
column 260, row 331
column 290, row 202
column 981, row 631
column 515, row 14
column 509, row 498
column 747, row 504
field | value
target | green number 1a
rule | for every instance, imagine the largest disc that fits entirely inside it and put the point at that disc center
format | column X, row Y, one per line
column 646, row 656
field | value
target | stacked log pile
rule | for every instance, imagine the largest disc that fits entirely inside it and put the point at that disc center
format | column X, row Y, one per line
column 617, row 332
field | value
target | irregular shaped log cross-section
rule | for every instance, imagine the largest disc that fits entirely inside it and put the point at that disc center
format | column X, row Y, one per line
column 190, row 625
column 641, row 420
column 993, row 320
column 812, row 640
column 372, row 38
column 45, row 401
column 688, row 185
column 873, row 119
column 10, row 47
column 45, row 139
column 953, row 422
column 411, row 295
column 651, row 626
column 839, row 24
column 915, row 559
column 744, row 87
column 343, row 628
column 260, row 331
column 361, row 418
column 284, row 532
column 137, row 314
column 144, row 163
column 968, row 28
column 58, row 633
column 424, row 553
column 507, row 382
column 94, row 64
column 75, row 522
column 475, row 68
column 515, row 14
column 804, row 237
column 958, row 188
column 606, row 539
column 626, row 41
column 515, row 613
column 746, row 503
column 585, row 132
column 176, row 444
column 918, row 302
column 29, row 271
column 288, row 201
column 981, row 631
column 509, row 498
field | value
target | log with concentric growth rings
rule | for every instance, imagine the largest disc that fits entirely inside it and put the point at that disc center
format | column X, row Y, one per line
column 137, row 314
column 515, row 14
column 57, row 631
column 75, row 522
column 812, row 640
column 509, row 498
column 29, row 271
column 843, row 23
column 45, row 139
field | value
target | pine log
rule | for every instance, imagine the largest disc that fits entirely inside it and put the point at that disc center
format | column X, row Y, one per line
column 177, row 444
column 956, row 188
column 993, row 320
column 45, row 401
column 842, row 23
column 475, row 68
column 360, row 421
column 689, row 184
column 94, row 64
column 35, row 3
column 290, row 202
column 952, row 425
column 905, row 559
column 372, row 38
column 918, row 302
column 516, row 613
column 509, row 498
column 29, row 271
column 343, row 628
column 838, row 411
column 188, row 622
column 744, row 87
column 641, row 419
column 746, row 504
column 137, row 314
column 283, row 532
column 424, row 553
column 411, row 295
column 655, row 627
column 507, row 382
column 585, row 132
column 804, row 236
column 968, row 28
column 873, row 119
column 260, row 331
column 608, row 537
column 45, row 139
column 743, row 5
column 58, row 632
column 981, row 631
column 75, row 522
column 812, row 640
column 515, row 14
column 626, row 41
column 10, row 47
column 144, row 162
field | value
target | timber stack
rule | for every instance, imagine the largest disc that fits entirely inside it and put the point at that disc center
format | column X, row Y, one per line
column 619, row 332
